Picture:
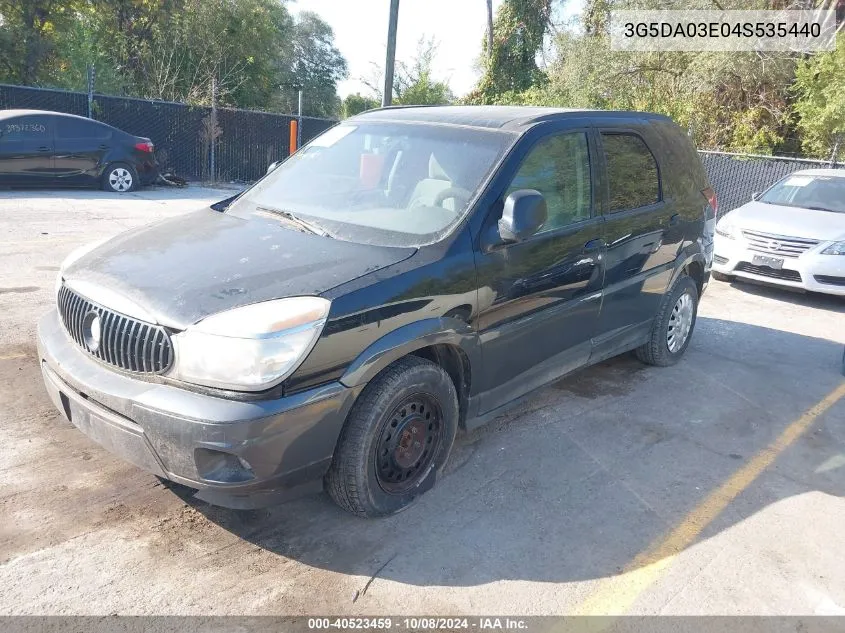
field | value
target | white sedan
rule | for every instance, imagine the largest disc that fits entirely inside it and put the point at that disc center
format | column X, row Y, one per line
column 793, row 234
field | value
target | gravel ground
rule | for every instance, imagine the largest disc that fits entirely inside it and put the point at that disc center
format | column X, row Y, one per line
column 540, row 512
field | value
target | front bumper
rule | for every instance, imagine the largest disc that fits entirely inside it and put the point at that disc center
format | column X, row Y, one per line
column 810, row 271
column 197, row 439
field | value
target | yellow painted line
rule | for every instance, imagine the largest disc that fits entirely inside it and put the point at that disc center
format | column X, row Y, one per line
column 615, row 595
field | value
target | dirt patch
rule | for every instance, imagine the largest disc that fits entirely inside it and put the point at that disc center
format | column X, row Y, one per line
column 19, row 290
column 617, row 376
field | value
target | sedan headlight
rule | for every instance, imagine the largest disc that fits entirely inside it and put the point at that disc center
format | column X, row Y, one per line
column 837, row 248
column 250, row 348
column 726, row 228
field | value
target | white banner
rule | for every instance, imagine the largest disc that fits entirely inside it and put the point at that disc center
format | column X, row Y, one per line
column 714, row 30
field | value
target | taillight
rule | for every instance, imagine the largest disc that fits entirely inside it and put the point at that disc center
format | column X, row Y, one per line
column 145, row 146
column 711, row 200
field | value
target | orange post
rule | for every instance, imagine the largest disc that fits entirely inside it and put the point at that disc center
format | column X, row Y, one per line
column 293, row 136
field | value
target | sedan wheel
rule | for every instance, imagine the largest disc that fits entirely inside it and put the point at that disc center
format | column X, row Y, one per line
column 119, row 178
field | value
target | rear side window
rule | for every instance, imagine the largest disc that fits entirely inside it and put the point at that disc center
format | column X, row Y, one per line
column 631, row 172
column 25, row 128
column 69, row 128
column 559, row 168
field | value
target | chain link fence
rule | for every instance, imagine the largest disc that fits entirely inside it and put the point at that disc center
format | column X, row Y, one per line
column 735, row 177
column 241, row 145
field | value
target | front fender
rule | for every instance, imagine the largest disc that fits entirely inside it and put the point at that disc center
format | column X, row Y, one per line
column 407, row 339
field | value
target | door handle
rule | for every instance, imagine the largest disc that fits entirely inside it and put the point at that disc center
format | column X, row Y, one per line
column 104, row 146
column 43, row 148
column 594, row 245
column 674, row 220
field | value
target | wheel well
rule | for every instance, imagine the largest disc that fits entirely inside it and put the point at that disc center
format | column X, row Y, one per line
column 454, row 362
column 696, row 271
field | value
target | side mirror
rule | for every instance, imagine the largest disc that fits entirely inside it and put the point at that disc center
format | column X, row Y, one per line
column 273, row 166
column 756, row 195
column 524, row 213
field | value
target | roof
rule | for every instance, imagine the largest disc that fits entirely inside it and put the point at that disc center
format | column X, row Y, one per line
column 7, row 114
column 839, row 173
column 501, row 117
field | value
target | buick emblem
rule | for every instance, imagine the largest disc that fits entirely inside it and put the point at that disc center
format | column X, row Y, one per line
column 774, row 245
column 92, row 330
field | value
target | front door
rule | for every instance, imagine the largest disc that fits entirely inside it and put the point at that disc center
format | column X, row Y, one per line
column 26, row 149
column 539, row 299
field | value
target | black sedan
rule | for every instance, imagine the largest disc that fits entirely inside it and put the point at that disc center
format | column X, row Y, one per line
column 40, row 148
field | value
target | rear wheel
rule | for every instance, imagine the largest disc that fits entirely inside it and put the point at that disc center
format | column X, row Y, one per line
column 673, row 326
column 396, row 440
column 120, row 178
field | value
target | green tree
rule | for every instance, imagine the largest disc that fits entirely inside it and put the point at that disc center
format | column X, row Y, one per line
column 518, row 32
column 27, row 38
column 317, row 68
column 414, row 82
column 820, row 102
column 356, row 104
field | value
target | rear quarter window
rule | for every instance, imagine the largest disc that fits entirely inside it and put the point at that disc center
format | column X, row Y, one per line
column 683, row 173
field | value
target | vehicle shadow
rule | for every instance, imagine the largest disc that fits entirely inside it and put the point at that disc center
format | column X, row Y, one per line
column 832, row 303
column 153, row 192
column 590, row 471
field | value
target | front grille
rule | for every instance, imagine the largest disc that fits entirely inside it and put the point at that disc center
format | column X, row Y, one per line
column 718, row 259
column 765, row 271
column 124, row 342
column 777, row 244
column 833, row 281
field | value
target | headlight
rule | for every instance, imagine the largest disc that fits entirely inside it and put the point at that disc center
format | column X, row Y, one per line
column 726, row 228
column 250, row 348
column 837, row 248
column 75, row 255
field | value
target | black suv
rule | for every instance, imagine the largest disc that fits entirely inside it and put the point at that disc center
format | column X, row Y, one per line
column 39, row 148
column 410, row 272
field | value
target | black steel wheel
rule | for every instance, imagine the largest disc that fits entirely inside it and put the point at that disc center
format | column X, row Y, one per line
column 396, row 439
column 408, row 443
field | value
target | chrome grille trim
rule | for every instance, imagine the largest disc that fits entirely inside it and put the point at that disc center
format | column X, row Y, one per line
column 782, row 245
column 125, row 342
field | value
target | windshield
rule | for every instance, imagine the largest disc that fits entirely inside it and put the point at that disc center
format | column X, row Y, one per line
column 826, row 193
column 394, row 184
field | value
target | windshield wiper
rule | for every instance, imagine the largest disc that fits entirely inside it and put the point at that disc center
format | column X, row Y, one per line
column 296, row 221
column 821, row 209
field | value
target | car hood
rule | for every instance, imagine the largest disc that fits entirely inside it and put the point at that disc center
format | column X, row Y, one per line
column 789, row 221
column 181, row 270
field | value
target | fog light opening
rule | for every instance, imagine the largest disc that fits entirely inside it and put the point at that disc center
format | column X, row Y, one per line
column 222, row 467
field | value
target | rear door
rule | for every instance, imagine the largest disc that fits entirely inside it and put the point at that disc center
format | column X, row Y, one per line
column 81, row 145
column 26, row 149
column 539, row 299
column 639, row 230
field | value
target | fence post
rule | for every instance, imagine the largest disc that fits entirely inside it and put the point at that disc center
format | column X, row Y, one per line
column 212, row 167
column 834, row 156
column 299, row 122
column 90, row 91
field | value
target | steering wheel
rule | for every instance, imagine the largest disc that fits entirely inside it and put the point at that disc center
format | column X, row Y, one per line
column 458, row 193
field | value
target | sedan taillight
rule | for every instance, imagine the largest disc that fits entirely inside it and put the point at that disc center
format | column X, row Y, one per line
column 144, row 146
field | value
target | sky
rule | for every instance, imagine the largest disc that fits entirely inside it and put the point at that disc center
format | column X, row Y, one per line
column 360, row 28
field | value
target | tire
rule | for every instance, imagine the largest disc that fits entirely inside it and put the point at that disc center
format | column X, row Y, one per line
column 723, row 277
column 412, row 398
column 120, row 178
column 678, row 310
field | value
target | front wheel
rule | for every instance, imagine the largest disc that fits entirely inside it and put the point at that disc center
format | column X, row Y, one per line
column 396, row 440
column 120, row 178
column 673, row 326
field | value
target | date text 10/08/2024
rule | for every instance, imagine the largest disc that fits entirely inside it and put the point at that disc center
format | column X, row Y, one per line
column 417, row 623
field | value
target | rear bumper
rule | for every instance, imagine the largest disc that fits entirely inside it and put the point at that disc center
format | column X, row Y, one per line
column 199, row 440
column 811, row 271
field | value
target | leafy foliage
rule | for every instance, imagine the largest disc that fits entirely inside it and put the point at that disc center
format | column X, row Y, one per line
column 255, row 52
column 356, row 104
column 820, row 102
column 414, row 82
